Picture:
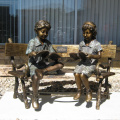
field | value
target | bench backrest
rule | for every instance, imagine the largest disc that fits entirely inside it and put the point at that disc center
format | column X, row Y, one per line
column 19, row 49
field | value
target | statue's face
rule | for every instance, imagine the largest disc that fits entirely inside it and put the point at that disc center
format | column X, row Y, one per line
column 42, row 33
column 87, row 34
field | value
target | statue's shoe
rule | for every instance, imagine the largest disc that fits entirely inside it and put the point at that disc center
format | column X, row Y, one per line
column 77, row 96
column 35, row 103
column 89, row 96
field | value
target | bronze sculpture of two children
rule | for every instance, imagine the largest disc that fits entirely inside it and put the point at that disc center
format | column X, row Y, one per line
column 38, row 66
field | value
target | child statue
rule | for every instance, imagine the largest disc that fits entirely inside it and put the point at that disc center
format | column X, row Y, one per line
column 37, row 62
column 89, row 52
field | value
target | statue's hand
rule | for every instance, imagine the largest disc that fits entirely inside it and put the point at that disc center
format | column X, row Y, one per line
column 33, row 53
column 89, row 56
column 59, row 59
column 82, row 55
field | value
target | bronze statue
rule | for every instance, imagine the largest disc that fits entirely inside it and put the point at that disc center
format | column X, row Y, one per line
column 89, row 53
column 38, row 49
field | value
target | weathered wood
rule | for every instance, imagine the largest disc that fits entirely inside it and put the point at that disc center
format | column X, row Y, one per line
column 19, row 49
column 15, row 49
column 109, row 51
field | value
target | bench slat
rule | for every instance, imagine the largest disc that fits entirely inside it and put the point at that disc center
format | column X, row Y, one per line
column 15, row 49
column 19, row 49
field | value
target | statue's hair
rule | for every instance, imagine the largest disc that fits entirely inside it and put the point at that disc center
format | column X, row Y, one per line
column 42, row 24
column 92, row 27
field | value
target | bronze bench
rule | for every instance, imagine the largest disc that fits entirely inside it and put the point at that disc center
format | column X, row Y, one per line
column 18, row 49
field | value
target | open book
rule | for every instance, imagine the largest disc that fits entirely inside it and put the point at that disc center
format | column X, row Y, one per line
column 74, row 56
column 46, row 54
column 80, row 55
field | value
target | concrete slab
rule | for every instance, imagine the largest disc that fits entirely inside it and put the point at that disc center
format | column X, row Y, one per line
column 59, row 108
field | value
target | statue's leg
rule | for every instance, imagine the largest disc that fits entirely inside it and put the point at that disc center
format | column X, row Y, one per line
column 78, row 83
column 85, row 81
column 35, row 86
column 36, row 78
column 55, row 67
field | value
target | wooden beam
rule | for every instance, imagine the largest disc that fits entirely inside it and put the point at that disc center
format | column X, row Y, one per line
column 19, row 49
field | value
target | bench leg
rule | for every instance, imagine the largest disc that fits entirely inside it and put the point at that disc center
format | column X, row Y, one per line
column 16, row 88
column 99, row 96
column 24, row 94
column 106, row 92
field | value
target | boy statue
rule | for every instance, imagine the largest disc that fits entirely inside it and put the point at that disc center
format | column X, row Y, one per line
column 37, row 64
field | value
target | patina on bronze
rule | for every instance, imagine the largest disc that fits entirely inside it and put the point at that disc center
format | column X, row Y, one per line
column 18, row 49
column 89, row 34
column 38, row 55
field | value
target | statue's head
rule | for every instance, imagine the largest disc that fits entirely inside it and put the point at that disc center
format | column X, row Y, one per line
column 91, row 27
column 42, row 24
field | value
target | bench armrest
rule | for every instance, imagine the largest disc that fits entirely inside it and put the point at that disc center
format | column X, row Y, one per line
column 26, row 70
column 102, row 66
column 16, row 66
column 98, row 66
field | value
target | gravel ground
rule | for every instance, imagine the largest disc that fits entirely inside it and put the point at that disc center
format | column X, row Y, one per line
column 7, row 83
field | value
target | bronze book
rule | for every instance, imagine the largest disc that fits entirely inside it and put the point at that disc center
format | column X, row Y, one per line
column 74, row 56
column 46, row 54
column 79, row 55
column 54, row 56
column 42, row 54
